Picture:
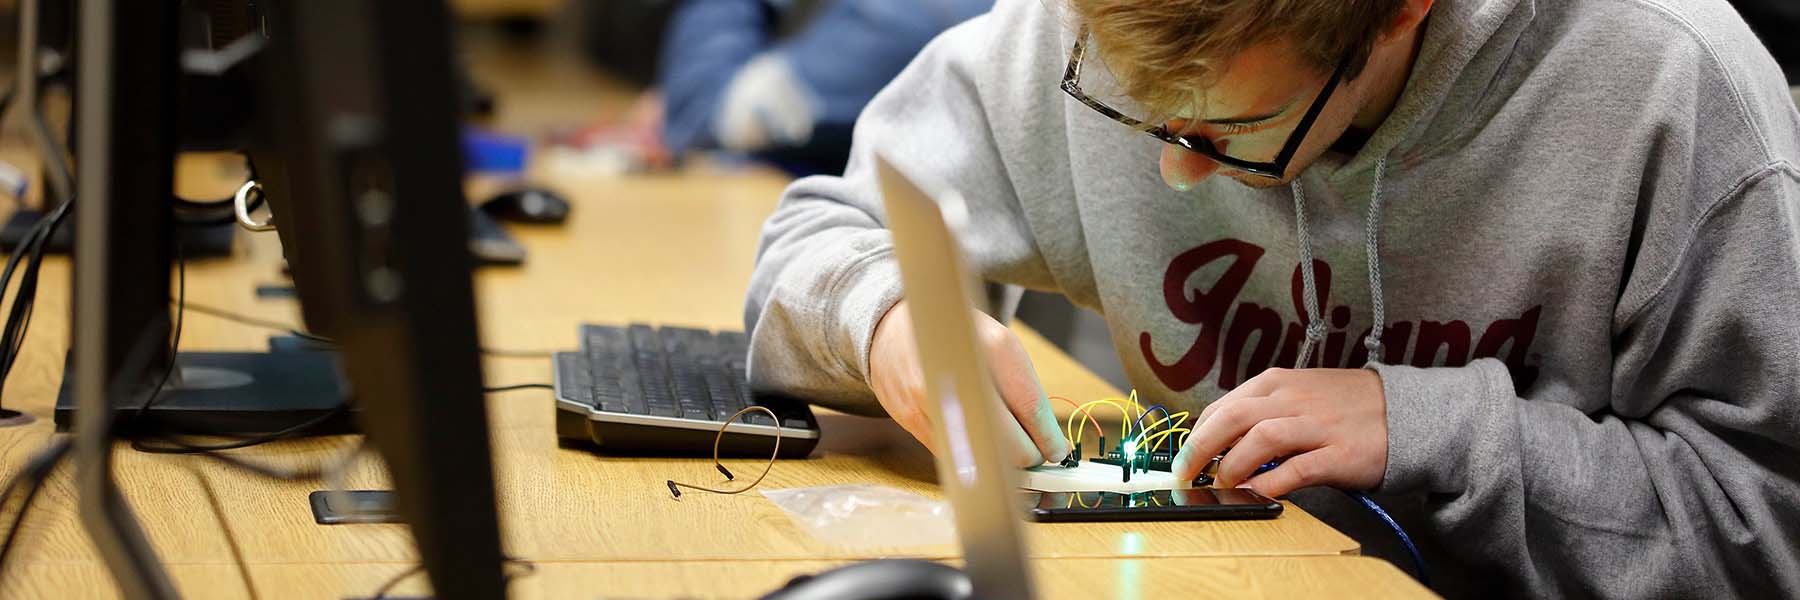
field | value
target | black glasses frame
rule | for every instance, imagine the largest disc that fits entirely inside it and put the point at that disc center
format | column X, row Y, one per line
column 1071, row 84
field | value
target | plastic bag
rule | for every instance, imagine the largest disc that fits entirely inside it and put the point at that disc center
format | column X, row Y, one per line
column 867, row 516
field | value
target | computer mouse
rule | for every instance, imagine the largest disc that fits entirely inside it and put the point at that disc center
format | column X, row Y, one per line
column 897, row 579
column 527, row 205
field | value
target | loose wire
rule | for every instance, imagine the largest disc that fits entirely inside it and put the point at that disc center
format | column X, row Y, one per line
column 1157, row 439
column 1183, row 416
column 1133, row 399
column 1075, row 436
column 1088, row 409
column 674, row 486
column 1146, row 413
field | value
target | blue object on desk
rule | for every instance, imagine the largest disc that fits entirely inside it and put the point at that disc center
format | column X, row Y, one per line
column 488, row 152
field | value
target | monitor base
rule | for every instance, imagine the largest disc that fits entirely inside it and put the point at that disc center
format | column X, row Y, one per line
column 240, row 393
column 196, row 242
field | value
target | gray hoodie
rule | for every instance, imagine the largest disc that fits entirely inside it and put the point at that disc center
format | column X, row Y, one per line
column 1578, row 234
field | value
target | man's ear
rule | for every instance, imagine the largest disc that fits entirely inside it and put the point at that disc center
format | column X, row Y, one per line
column 1412, row 13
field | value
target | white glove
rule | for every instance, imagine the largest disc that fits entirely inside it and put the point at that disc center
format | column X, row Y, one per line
column 765, row 104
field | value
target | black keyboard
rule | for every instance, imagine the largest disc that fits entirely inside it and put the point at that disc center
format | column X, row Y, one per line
column 644, row 390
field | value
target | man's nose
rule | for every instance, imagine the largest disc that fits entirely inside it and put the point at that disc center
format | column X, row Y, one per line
column 1183, row 169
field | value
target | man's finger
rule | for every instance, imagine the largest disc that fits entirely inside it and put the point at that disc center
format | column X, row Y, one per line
column 1261, row 385
column 910, row 415
column 1228, row 421
column 1021, row 450
column 1266, row 441
column 1301, row 471
column 1024, row 398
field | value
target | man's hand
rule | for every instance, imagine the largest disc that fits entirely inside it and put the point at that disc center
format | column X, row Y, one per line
column 900, row 386
column 1328, row 425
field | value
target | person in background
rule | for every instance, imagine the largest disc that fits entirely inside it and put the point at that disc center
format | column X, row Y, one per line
column 729, row 80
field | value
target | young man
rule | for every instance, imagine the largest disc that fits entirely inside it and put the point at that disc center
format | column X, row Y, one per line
column 1536, row 263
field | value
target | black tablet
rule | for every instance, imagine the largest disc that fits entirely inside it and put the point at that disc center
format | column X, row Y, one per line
column 1197, row 504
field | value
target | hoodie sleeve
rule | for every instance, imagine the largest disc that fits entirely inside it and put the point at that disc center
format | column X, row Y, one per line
column 1686, row 483
column 825, row 272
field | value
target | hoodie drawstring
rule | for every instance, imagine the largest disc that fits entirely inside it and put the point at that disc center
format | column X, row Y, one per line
column 1315, row 324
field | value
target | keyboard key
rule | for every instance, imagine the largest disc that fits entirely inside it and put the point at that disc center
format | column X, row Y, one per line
column 724, row 396
column 733, row 344
column 645, row 339
column 795, row 423
column 578, row 383
column 661, row 409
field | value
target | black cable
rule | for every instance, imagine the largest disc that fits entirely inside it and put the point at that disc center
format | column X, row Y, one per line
column 256, row 322
column 176, row 446
column 382, row 592
column 174, row 333
column 35, row 471
column 312, row 473
column 18, row 321
column 388, row 586
column 518, row 386
column 19, row 518
column 290, row 330
column 218, row 510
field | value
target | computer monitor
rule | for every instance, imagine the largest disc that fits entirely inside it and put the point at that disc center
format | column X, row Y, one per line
column 355, row 142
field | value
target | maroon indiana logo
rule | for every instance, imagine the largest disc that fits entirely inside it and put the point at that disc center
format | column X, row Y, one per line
column 1270, row 341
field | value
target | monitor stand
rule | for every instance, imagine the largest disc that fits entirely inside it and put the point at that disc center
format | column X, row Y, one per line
column 243, row 393
column 212, row 241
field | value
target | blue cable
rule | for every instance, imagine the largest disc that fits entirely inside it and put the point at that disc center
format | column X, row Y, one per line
column 1146, row 413
column 1418, row 559
column 1369, row 503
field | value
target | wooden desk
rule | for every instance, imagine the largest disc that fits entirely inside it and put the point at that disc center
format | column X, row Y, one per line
column 662, row 249
column 1074, row 579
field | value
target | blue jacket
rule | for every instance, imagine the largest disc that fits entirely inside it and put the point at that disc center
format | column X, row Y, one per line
column 845, row 55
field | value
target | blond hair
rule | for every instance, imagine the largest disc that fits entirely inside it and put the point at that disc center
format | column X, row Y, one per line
column 1163, row 51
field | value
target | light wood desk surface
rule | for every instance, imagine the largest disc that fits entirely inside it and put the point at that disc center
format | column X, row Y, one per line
column 661, row 249
column 1072, row 579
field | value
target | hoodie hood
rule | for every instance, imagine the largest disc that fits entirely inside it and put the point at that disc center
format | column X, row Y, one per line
column 1466, row 43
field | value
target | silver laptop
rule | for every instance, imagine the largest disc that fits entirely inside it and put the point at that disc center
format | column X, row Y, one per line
column 965, row 409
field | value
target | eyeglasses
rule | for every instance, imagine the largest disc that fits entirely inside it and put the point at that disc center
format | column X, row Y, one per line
column 1071, row 84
